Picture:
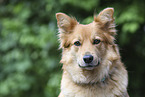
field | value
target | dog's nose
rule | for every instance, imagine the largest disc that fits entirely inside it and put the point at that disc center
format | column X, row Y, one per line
column 88, row 58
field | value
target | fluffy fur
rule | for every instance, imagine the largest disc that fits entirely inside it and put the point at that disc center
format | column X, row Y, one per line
column 109, row 78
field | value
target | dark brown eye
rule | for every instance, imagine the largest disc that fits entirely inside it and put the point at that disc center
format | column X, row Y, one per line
column 77, row 43
column 96, row 41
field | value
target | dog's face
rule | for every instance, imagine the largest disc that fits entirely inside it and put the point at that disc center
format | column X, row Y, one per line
column 86, row 47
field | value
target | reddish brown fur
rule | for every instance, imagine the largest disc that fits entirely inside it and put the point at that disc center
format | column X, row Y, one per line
column 80, row 82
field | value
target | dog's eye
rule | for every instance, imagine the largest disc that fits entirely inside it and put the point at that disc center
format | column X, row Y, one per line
column 96, row 41
column 77, row 43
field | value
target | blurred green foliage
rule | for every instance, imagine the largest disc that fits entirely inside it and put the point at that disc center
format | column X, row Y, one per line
column 29, row 55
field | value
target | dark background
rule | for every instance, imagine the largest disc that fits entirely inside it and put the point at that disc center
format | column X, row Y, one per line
column 29, row 55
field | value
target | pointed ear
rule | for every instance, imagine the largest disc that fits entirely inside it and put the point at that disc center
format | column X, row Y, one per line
column 65, row 23
column 105, row 16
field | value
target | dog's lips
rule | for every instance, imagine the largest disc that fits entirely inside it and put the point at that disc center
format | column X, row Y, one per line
column 88, row 66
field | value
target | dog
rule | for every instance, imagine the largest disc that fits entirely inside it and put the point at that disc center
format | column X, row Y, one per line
column 92, row 65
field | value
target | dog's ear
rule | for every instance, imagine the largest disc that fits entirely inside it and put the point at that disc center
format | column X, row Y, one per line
column 106, row 15
column 106, row 19
column 65, row 23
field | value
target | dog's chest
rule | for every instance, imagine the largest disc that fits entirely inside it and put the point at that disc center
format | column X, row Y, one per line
column 88, row 91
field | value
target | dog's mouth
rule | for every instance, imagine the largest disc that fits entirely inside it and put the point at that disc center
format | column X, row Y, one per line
column 89, row 66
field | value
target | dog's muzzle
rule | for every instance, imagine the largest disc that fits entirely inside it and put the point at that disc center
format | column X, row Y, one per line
column 88, row 62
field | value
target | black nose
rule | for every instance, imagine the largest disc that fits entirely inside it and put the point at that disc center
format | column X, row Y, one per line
column 88, row 58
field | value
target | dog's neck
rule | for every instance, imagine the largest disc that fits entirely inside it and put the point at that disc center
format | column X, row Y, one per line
column 103, row 80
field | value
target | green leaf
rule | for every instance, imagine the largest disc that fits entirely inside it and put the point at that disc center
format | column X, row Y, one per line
column 130, row 27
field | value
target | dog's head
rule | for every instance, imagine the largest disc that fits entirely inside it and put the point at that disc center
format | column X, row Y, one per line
column 86, row 47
